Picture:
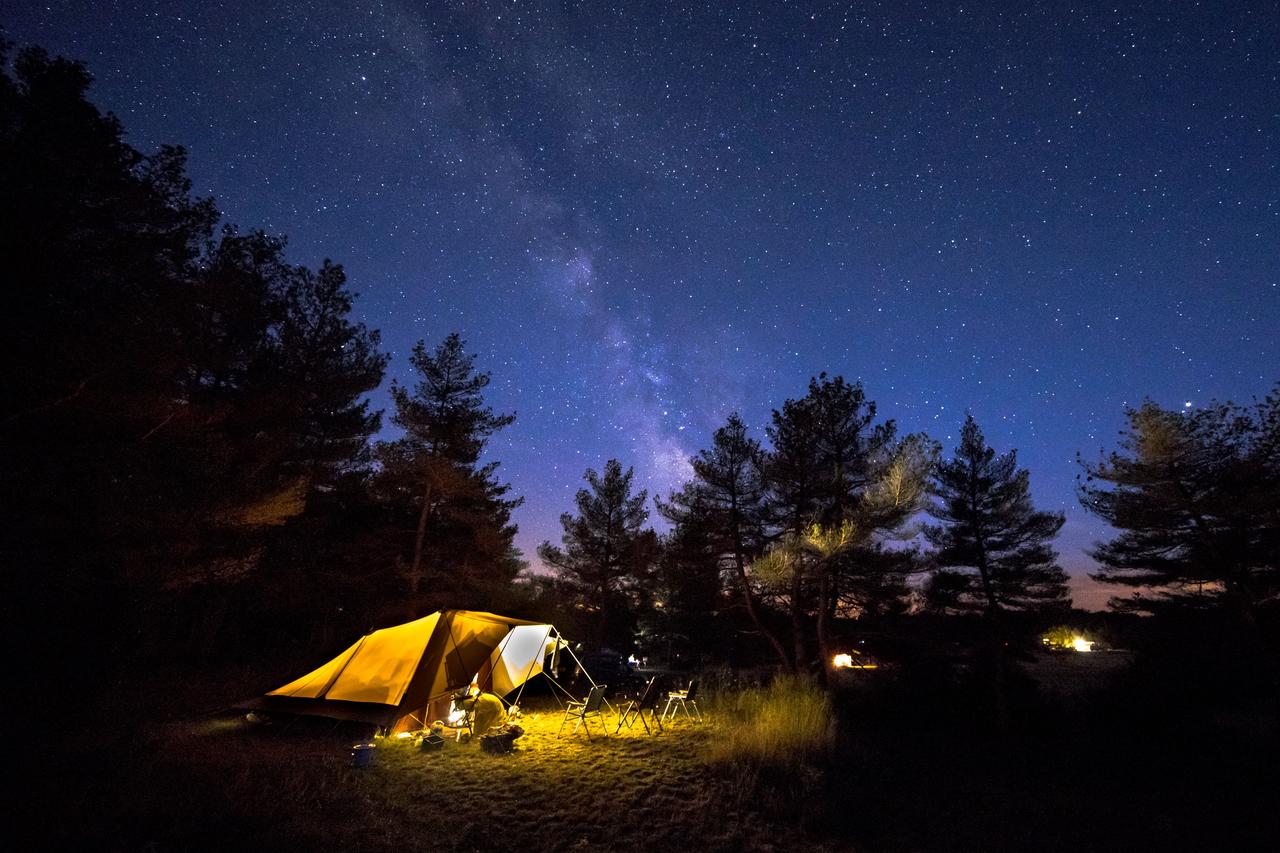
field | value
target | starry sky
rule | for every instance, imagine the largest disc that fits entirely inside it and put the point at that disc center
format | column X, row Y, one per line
column 644, row 216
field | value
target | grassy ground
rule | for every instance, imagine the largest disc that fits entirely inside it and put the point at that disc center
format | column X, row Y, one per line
column 223, row 784
column 1141, row 760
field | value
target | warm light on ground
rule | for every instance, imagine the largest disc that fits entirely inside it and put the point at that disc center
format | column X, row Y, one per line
column 1080, row 644
column 842, row 661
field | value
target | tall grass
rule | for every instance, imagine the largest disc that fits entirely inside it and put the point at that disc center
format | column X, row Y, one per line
column 771, row 744
column 786, row 725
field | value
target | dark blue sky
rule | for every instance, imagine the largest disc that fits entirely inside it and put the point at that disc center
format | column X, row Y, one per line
column 644, row 216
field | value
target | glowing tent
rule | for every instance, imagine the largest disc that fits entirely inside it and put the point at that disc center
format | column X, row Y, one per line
column 401, row 678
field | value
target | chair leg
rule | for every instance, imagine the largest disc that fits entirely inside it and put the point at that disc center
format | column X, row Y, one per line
column 656, row 721
column 622, row 718
column 696, row 709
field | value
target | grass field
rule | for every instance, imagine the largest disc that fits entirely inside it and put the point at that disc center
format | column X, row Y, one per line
column 894, row 765
column 221, row 783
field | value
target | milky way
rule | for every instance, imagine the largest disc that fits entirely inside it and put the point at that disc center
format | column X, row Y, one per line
column 645, row 216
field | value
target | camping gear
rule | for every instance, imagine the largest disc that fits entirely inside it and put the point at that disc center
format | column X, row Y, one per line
column 431, row 743
column 683, row 699
column 396, row 678
column 583, row 711
column 364, row 754
column 634, row 710
column 501, row 742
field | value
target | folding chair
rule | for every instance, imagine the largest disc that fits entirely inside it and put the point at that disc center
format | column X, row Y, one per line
column 582, row 711
column 685, row 699
column 634, row 710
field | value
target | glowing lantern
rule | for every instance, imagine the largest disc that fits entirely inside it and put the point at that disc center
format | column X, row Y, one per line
column 1080, row 644
column 842, row 661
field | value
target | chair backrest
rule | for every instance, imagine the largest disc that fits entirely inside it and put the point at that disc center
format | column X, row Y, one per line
column 649, row 696
column 594, row 699
column 692, row 692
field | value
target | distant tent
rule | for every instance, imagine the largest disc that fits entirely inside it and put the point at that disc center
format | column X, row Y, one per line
column 401, row 678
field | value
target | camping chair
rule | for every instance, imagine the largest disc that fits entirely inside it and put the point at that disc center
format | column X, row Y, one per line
column 678, row 699
column 634, row 710
column 581, row 711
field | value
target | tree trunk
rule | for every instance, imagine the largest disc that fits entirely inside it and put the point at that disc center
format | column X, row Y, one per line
column 416, row 573
column 748, row 598
column 797, row 620
column 824, row 624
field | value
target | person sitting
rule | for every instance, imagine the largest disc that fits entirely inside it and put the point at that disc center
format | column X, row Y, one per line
column 488, row 714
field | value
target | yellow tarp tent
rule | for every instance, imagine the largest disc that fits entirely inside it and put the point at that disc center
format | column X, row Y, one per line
column 394, row 676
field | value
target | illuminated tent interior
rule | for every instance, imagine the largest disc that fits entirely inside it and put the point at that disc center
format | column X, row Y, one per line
column 401, row 678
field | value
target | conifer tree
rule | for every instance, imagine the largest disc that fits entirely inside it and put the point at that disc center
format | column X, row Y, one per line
column 680, row 624
column 607, row 554
column 727, row 499
column 993, row 544
column 1195, row 497
column 458, row 504
column 173, row 398
column 838, row 483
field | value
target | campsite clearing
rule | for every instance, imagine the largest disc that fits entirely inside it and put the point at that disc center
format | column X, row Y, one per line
column 223, row 783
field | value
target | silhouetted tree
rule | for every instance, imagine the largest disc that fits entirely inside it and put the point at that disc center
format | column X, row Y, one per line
column 1195, row 496
column 461, row 530
column 608, row 555
column 680, row 623
column 171, row 400
column 993, row 543
column 993, row 549
column 726, row 500
column 837, row 485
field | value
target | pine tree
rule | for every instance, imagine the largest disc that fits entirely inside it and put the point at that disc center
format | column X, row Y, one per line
column 838, row 483
column 457, row 503
column 1196, row 499
column 333, row 363
column 172, row 398
column 726, row 499
column 607, row 555
column 991, row 535
column 680, row 624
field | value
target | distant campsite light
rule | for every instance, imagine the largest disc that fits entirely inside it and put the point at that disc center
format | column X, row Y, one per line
column 842, row 661
column 853, row 660
column 1067, row 639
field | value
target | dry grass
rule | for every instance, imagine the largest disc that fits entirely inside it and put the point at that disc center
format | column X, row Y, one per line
column 787, row 724
column 222, row 784
column 772, row 744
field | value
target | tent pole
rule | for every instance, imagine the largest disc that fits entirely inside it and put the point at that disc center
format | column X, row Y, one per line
column 561, row 688
column 505, row 640
column 454, row 640
column 588, row 675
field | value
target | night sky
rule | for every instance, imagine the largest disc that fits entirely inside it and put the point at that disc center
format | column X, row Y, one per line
column 645, row 216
